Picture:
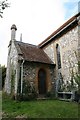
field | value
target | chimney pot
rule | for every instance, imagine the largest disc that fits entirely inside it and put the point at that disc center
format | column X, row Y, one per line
column 13, row 27
column 13, row 31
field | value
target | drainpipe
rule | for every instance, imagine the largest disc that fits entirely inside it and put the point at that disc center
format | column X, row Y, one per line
column 22, row 75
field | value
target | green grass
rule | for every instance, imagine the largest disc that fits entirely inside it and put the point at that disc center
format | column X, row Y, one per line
column 39, row 109
column 0, row 100
column 0, row 105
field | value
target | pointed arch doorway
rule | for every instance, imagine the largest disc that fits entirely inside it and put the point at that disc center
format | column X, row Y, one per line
column 42, row 81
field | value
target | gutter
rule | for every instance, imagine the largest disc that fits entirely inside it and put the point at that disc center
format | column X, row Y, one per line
column 22, row 75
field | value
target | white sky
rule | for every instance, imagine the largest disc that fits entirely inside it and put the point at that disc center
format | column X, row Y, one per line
column 35, row 19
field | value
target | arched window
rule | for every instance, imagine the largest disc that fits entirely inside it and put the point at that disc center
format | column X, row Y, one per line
column 58, row 56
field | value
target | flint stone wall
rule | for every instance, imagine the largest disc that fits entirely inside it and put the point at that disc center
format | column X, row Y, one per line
column 68, row 49
column 12, row 64
column 31, row 70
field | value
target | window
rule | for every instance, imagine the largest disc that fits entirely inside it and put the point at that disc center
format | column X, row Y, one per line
column 58, row 56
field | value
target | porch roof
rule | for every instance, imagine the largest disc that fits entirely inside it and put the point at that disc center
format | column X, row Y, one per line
column 31, row 52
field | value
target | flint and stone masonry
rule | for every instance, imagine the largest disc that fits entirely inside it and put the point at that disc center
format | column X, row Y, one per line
column 25, row 60
column 68, row 49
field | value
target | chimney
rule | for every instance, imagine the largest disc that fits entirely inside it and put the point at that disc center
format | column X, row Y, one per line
column 13, row 31
column 21, row 37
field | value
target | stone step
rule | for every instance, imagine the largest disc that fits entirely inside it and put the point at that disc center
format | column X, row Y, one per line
column 42, row 97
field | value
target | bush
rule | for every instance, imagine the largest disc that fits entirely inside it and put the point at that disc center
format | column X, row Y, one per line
column 77, row 96
column 3, row 70
column 5, row 95
column 28, row 92
column 50, row 95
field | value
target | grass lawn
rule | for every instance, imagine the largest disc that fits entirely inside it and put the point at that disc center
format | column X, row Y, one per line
column 39, row 109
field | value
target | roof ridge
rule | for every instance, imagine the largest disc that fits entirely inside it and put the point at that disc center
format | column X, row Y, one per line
column 26, row 43
column 59, row 28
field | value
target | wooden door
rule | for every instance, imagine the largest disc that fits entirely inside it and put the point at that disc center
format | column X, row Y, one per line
column 42, row 81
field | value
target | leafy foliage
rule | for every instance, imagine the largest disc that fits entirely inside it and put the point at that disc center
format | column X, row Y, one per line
column 12, row 80
column 19, row 83
column 3, row 4
column 77, row 79
column 51, row 95
column 28, row 91
column 2, row 76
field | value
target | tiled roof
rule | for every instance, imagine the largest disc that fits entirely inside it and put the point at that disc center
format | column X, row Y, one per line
column 58, row 30
column 30, row 52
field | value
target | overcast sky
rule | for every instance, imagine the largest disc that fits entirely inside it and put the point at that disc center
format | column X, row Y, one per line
column 35, row 19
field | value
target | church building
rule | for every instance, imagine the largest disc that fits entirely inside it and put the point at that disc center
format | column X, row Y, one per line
column 44, row 65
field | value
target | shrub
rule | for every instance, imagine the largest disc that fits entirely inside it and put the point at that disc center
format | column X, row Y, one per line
column 28, row 92
column 77, row 96
column 2, row 76
column 51, row 95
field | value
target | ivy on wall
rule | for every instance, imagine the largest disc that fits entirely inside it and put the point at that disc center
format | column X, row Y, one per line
column 19, row 83
column 12, row 79
column 12, row 82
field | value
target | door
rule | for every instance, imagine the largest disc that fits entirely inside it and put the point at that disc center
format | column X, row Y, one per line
column 42, row 81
